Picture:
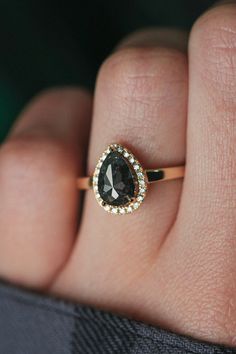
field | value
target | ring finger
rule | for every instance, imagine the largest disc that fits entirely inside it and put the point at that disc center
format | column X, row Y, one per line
column 141, row 102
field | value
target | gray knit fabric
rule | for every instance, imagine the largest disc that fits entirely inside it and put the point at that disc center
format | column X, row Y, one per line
column 35, row 324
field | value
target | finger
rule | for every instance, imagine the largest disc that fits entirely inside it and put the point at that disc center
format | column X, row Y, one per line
column 140, row 101
column 164, row 37
column 206, row 226
column 39, row 204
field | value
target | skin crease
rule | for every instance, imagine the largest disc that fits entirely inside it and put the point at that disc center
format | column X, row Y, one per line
column 172, row 263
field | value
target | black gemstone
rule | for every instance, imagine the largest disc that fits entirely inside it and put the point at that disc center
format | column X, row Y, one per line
column 116, row 181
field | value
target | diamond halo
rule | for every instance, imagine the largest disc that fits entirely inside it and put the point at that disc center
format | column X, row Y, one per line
column 137, row 171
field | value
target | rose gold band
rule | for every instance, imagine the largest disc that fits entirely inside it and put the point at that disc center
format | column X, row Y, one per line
column 84, row 183
column 160, row 174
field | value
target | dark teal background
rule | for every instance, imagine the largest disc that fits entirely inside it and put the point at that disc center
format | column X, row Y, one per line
column 46, row 43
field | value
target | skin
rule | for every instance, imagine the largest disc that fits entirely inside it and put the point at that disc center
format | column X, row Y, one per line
column 173, row 262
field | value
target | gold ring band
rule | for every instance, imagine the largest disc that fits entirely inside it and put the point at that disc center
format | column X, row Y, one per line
column 119, row 181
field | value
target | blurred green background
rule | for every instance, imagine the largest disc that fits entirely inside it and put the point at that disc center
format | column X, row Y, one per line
column 46, row 43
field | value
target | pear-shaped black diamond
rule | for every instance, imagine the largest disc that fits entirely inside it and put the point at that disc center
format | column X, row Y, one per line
column 116, row 180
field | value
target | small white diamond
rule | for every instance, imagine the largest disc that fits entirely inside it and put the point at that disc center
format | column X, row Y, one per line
column 136, row 167
column 107, row 207
column 119, row 149
column 142, row 190
column 140, row 175
column 103, row 157
column 136, row 205
column 129, row 209
column 131, row 159
column 95, row 188
column 114, row 210
column 95, row 179
column 126, row 154
column 140, row 198
column 122, row 211
column 142, row 182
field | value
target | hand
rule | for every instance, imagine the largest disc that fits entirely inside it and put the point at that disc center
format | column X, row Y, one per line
column 172, row 262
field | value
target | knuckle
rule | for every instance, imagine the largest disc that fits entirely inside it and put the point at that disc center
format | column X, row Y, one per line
column 212, row 291
column 214, row 37
column 211, row 302
column 57, row 95
column 222, row 316
column 28, row 159
column 52, row 103
column 138, row 72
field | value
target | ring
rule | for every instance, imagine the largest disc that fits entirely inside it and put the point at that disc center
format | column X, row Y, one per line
column 119, row 181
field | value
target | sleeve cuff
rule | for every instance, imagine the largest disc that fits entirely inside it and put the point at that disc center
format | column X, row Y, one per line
column 31, row 323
